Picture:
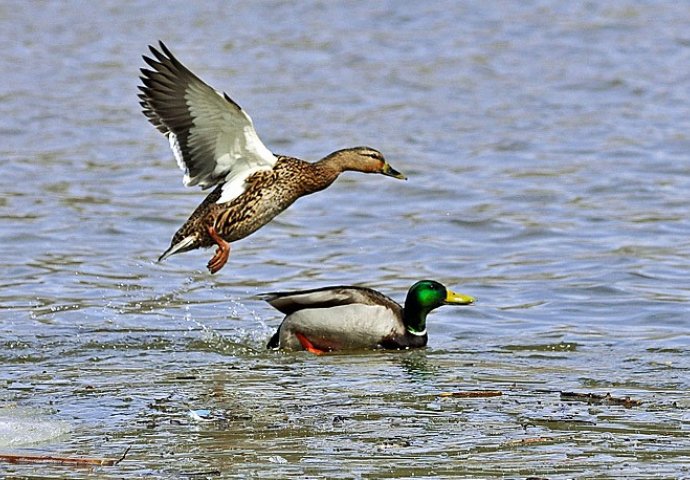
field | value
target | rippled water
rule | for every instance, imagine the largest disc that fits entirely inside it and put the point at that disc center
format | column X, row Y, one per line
column 546, row 146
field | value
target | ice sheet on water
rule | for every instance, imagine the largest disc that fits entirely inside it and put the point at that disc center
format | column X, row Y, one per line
column 24, row 426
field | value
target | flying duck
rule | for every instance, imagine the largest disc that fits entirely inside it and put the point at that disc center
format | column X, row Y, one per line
column 215, row 144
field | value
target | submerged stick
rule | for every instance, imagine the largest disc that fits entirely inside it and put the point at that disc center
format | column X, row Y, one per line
column 472, row 394
column 19, row 458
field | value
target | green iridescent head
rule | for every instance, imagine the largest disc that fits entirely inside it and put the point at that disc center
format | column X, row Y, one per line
column 423, row 297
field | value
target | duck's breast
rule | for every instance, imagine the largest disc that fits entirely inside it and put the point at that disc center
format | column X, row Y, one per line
column 267, row 194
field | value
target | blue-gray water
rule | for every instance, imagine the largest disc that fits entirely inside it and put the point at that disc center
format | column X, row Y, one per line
column 547, row 146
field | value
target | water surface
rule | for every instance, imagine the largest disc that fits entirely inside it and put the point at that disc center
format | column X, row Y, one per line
column 546, row 147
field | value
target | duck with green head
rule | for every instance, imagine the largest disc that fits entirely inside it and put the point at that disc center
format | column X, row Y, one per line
column 357, row 318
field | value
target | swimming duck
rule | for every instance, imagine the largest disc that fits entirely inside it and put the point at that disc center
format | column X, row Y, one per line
column 215, row 144
column 351, row 318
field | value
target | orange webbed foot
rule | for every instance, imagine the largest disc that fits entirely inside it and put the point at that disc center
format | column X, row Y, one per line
column 308, row 346
column 222, row 252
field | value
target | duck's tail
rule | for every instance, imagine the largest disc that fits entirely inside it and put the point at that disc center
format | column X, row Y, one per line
column 184, row 245
column 274, row 342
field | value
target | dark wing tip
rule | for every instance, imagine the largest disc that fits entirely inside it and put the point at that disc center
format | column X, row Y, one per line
column 155, row 50
column 162, row 56
column 150, row 62
column 165, row 49
column 227, row 97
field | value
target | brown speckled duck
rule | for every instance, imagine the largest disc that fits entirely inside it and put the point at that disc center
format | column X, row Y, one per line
column 215, row 144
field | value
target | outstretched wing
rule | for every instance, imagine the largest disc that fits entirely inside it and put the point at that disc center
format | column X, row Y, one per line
column 327, row 297
column 212, row 138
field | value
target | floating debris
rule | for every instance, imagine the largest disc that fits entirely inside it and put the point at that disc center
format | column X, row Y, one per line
column 627, row 402
column 19, row 458
column 530, row 441
column 201, row 415
column 207, row 473
column 205, row 415
column 472, row 394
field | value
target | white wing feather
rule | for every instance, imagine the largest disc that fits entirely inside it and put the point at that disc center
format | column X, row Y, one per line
column 212, row 138
column 225, row 135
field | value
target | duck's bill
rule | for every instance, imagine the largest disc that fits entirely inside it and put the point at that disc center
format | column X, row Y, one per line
column 453, row 298
column 392, row 172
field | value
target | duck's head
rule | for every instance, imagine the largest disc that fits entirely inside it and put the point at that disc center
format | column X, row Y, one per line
column 423, row 297
column 364, row 159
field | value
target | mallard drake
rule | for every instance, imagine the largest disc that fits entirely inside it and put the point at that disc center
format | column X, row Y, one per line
column 215, row 144
column 354, row 318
